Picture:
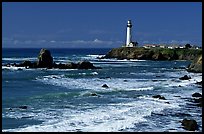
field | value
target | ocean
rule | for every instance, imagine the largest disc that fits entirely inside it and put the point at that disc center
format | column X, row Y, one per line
column 74, row 100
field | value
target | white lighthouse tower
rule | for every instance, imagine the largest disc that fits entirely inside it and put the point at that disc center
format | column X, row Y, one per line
column 129, row 42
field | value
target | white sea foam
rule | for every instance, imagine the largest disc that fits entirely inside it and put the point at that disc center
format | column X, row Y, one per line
column 115, row 84
column 13, row 68
column 105, row 118
column 19, row 59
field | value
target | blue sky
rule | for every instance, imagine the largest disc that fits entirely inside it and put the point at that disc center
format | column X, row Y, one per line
column 99, row 24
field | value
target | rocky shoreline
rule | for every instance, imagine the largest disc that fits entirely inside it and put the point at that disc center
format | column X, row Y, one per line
column 159, row 54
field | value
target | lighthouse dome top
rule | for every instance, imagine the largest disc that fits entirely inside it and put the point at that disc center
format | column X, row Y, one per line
column 129, row 21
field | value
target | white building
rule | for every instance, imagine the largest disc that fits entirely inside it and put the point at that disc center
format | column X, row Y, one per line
column 129, row 42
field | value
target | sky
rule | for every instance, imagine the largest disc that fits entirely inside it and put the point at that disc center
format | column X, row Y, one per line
column 99, row 24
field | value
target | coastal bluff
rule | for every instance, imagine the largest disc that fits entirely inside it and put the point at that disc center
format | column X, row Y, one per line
column 141, row 53
column 160, row 54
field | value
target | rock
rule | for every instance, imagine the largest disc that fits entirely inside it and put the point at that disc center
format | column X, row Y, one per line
column 196, row 65
column 196, row 95
column 85, row 65
column 185, row 77
column 105, row 86
column 158, row 56
column 94, row 94
column 71, row 65
column 190, row 124
column 159, row 96
column 23, row 107
column 45, row 59
column 27, row 63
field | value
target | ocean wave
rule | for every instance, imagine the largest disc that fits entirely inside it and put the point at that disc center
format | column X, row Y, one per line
column 104, row 118
column 115, row 84
column 13, row 68
column 20, row 59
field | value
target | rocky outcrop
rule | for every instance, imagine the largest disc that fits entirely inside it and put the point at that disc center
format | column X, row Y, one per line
column 189, row 124
column 86, row 65
column 153, row 53
column 185, row 77
column 45, row 59
column 105, row 86
column 159, row 97
column 196, row 95
column 196, row 65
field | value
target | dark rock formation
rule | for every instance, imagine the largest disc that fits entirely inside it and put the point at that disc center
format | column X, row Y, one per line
column 196, row 95
column 23, row 107
column 85, row 65
column 45, row 59
column 189, row 124
column 159, row 96
column 94, row 94
column 185, row 77
column 105, row 86
column 196, row 65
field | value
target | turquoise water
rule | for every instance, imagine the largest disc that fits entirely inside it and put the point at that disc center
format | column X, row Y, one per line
column 74, row 100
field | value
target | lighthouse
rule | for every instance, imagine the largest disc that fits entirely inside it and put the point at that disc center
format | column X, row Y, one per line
column 129, row 42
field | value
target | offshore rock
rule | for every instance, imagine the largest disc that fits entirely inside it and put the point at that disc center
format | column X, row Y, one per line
column 196, row 95
column 105, row 86
column 85, row 65
column 45, row 59
column 159, row 96
column 185, row 77
column 189, row 124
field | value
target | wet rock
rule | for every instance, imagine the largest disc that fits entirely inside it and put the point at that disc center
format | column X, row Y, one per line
column 23, row 107
column 125, row 80
column 189, row 124
column 159, row 96
column 45, row 59
column 196, row 95
column 105, row 86
column 94, row 94
column 185, row 77
column 85, row 65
